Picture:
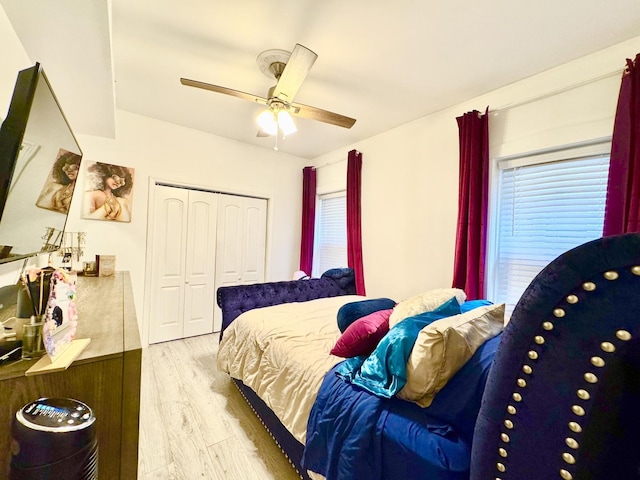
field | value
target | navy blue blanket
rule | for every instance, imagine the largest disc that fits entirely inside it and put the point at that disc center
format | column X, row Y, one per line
column 355, row 435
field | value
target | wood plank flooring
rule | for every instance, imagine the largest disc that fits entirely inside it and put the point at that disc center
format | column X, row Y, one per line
column 194, row 424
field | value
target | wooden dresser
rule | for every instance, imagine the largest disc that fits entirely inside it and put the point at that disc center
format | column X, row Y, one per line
column 106, row 376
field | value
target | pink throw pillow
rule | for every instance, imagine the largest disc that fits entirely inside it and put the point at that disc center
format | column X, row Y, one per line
column 363, row 335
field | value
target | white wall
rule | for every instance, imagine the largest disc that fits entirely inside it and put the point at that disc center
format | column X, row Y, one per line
column 13, row 59
column 410, row 174
column 178, row 155
column 167, row 152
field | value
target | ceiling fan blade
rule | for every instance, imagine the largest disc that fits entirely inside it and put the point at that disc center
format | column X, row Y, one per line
column 225, row 90
column 294, row 73
column 325, row 116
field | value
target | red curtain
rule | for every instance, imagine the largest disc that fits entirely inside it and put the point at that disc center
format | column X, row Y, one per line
column 354, row 230
column 308, row 218
column 622, row 210
column 473, row 194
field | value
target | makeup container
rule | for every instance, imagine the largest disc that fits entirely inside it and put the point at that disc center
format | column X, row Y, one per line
column 33, row 296
column 32, row 346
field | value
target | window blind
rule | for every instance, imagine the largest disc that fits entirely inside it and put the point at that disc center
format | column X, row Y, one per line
column 331, row 234
column 545, row 209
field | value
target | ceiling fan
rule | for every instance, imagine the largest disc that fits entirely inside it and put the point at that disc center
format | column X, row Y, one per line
column 289, row 69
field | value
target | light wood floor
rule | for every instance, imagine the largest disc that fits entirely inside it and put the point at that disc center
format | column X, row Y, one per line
column 194, row 424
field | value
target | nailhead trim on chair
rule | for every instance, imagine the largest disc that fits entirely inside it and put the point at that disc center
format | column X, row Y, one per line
column 607, row 347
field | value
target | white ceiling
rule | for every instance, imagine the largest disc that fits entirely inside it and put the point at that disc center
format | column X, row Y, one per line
column 383, row 63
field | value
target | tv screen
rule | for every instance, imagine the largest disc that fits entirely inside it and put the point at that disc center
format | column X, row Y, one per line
column 39, row 163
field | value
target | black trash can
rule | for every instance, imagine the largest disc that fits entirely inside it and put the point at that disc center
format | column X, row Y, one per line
column 54, row 438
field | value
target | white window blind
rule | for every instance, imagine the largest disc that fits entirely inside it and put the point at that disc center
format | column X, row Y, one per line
column 330, row 249
column 544, row 209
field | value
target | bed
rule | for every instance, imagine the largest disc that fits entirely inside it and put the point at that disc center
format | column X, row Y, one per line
column 278, row 356
column 493, row 417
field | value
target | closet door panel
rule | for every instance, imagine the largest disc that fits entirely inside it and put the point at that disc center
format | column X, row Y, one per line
column 168, row 271
column 200, row 263
column 230, row 241
column 241, row 247
column 254, row 236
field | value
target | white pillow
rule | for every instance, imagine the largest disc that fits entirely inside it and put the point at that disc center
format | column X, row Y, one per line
column 444, row 346
column 424, row 302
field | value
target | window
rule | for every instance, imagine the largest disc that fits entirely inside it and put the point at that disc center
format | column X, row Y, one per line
column 330, row 249
column 546, row 205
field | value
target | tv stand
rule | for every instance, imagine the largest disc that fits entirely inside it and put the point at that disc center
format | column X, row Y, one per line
column 105, row 376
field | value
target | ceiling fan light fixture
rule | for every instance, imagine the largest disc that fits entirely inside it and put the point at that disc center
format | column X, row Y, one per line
column 289, row 70
column 268, row 122
column 285, row 122
column 272, row 122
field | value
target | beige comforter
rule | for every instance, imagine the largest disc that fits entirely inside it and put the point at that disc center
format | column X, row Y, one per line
column 282, row 353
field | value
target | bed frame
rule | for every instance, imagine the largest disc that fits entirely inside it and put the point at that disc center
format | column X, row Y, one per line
column 562, row 398
column 234, row 300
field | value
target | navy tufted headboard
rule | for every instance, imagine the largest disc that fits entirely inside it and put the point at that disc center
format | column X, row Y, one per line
column 234, row 300
column 562, row 400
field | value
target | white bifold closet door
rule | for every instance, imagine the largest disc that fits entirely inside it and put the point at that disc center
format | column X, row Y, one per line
column 241, row 243
column 183, row 266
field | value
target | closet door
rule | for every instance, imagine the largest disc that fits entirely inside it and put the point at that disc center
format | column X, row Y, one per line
column 183, row 266
column 229, row 243
column 200, row 263
column 168, row 268
column 241, row 245
column 255, row 235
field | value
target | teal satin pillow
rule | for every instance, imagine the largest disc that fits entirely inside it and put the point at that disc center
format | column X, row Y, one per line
column 384, row 372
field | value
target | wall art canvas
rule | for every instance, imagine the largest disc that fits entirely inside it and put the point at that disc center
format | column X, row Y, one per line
column 57, row 191
column 108, row 192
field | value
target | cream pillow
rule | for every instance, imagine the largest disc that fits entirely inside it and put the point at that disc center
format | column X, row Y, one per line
column 444, row 346
column 424, row 302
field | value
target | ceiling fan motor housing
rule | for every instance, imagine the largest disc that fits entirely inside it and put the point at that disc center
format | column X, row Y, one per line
column 267, row 59
column 289, row 69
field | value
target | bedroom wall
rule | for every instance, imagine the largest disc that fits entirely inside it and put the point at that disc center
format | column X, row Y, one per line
column 410, row 174
column 13, row 59
column 170, row 153
column 166, row 152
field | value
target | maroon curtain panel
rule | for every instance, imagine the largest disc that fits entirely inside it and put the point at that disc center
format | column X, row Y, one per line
column 354, row 229
column 473, row 195
column 308, row 219
column 622, row 210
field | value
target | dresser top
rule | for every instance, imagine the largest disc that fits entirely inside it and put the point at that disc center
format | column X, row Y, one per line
column 106, row 315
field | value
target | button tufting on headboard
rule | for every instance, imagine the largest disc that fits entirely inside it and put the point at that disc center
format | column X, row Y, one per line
column 562, row 397
column 235, row 300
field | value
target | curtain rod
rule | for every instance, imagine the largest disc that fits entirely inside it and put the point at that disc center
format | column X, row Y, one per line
column 330, row 163
column 334, row 162
column 556, row 92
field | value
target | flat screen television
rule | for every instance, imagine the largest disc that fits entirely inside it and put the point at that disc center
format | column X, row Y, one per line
column 39, row 163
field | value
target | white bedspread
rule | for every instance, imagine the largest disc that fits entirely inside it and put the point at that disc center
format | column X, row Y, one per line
column 282, row 353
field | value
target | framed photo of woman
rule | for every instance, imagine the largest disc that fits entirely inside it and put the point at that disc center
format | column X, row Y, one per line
column 57, row 191
column 108, row 193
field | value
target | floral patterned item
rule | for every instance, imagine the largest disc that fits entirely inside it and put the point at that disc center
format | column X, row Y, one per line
column 60, row 318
